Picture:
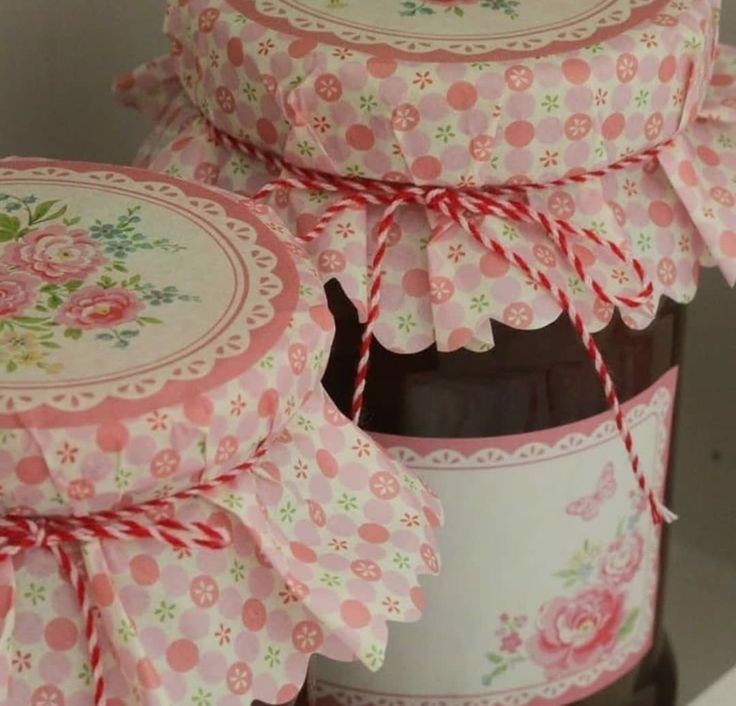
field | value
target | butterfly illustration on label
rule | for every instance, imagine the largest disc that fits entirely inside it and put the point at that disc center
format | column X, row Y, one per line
column 588, row 507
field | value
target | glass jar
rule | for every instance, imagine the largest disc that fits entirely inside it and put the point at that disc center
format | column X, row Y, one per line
column 529, row 381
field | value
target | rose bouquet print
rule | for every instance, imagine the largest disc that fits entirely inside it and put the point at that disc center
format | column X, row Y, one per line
column 60, row 279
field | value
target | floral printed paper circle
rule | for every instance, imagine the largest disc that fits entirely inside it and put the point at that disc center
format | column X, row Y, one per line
column 115, row 286
column 451, row 30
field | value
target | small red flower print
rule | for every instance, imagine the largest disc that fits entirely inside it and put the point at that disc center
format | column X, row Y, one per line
column 225, row 99
column 331, row 261
column 422, row 79
column 627, row 66
column 300, row 469
column 204, row 591
column 223, row 635
column 384, row 485
column 722, row 196
column 293, row 591
column 361, row 448
column 165, row 463
column 80, row 489
column 226, row 449
column 239, row 678
column 17, row 291
column 561, row 204
column 619, row 276
column 405, row 117
column 481, row 148
column 321, row 124
column 345, row 230
column 666, row 272
column 653, row 126
column 545, row 255
column 47, row 695
column 207, row 19
column 366, row 569
column 430, row 558
column 237, row 406
column 207, row 173
column 96, row 307
column 550, row 158
column 455, row 253
column 158, row 421
column 467, row 181
column 265, row 47
column 328, row 87
column 511, row 642
column 391, row 605
column 21, row 661
column 519, row 78
column 307, row 636
column 518, row 315
column 649, row 39
column 67, row 453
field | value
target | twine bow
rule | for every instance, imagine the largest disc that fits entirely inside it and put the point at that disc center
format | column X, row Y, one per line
column 463, row 207
column 19, row 533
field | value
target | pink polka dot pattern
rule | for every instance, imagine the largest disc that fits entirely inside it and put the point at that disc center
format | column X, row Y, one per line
column 560, row 115
column 289, row 586
column 344, row 111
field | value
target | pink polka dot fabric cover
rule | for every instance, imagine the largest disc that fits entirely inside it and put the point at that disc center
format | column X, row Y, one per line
column 337, row 103
column 152, row 334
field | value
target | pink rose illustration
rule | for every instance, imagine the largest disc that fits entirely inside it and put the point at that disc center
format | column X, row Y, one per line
column 622, row 559
column 95, row 307
column 574, row 633
column 17, row 291
column 55, row 253
column 511, row 642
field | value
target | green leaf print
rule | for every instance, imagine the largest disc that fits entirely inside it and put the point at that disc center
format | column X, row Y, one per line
column 629, row 624
column 9, row 227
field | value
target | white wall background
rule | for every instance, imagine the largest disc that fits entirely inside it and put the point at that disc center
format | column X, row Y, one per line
column 57, row 61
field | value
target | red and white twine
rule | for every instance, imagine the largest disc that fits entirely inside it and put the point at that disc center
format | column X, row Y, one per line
column 147, row 520
column 464, row 207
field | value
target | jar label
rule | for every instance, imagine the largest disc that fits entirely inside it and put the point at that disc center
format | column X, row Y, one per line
column 550, row 567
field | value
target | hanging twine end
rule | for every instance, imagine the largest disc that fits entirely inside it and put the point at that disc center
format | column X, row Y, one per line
column 667, row 515
column 660, row 513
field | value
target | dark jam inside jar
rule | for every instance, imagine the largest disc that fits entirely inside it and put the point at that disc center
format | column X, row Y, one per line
column 530, row 380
